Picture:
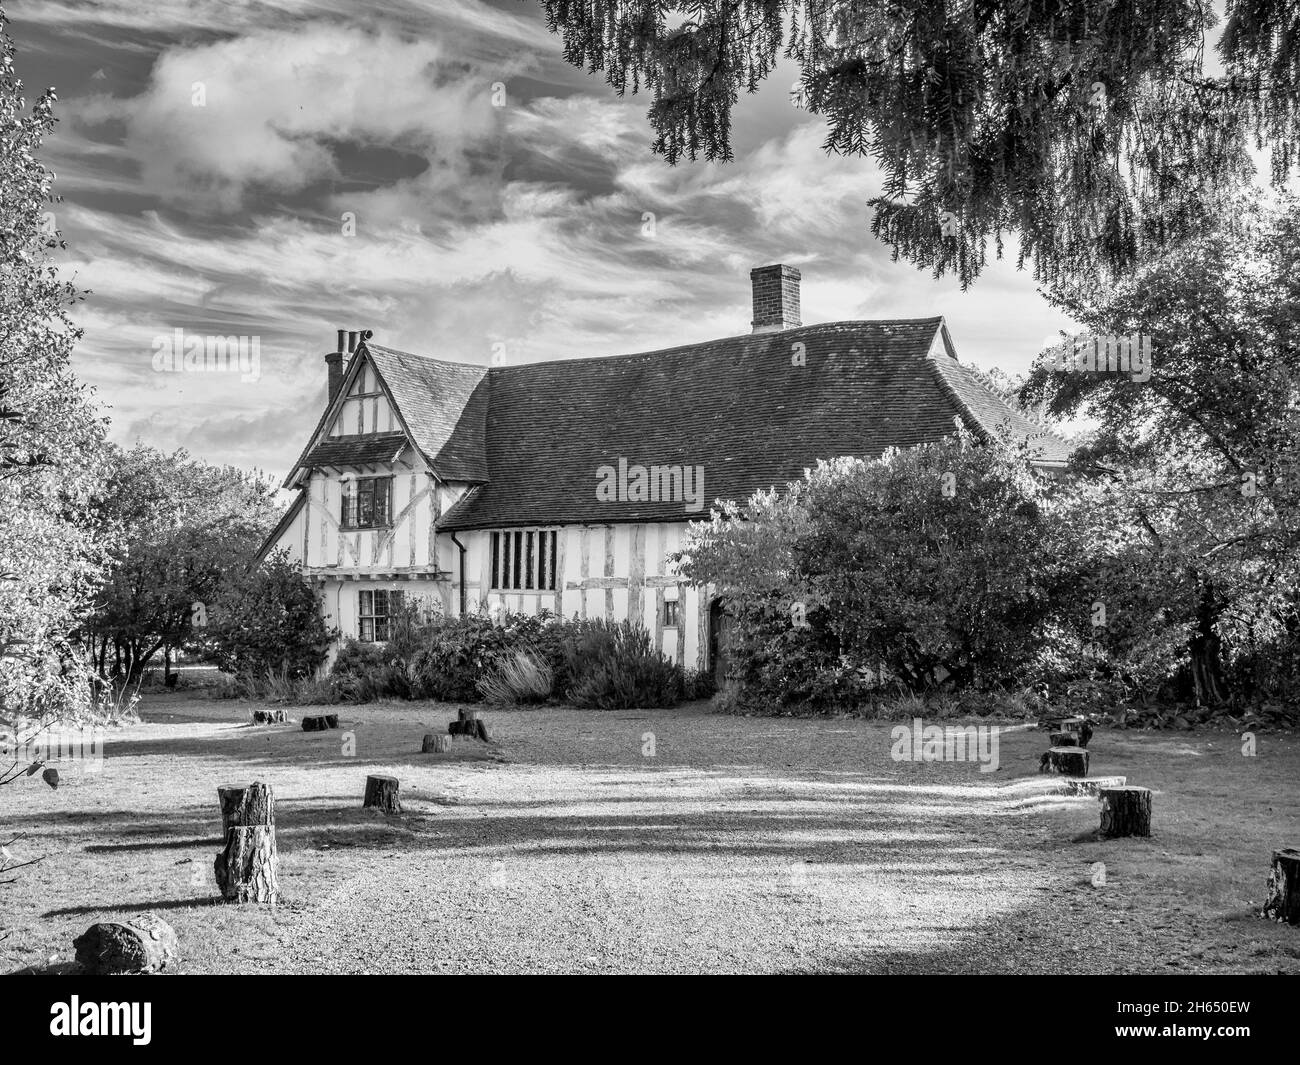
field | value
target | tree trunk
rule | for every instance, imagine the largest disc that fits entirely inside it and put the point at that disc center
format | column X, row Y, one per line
column 435, row 744
column 1125, row 811
column 1064, row 739
column 1283, row 903
column 320, row 722
column 246, row 867
column 381, row 795
column 1071, row 761
column 1206, row 661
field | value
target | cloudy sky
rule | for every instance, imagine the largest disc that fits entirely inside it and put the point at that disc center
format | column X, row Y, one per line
column 211, row 154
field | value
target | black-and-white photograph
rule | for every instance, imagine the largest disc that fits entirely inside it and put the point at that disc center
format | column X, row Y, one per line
column 651, row 487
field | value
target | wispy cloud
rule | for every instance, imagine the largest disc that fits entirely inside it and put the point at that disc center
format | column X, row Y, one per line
column 356, row 172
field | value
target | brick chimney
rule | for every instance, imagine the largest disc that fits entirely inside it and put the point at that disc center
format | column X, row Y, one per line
column 776, row 297
column 334, row 361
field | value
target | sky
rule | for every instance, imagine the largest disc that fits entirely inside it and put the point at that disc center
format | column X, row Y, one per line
column 435, row 172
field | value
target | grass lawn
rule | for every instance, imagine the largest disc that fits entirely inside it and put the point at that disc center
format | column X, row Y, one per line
column 742, row 845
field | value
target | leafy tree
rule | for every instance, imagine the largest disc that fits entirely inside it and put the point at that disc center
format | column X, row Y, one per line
column 266, row 619
column 1088, row 127
column 182, row 526
column 1206, row 453
column 941, row 563
column 50, row 434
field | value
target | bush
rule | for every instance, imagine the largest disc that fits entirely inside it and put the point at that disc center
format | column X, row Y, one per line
column 267, row 620
column 613, row 667
column 518, row 677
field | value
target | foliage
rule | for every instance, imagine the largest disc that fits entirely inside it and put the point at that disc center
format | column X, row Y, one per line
column 521, row 659
column 265, row 619
column 933, row 566
column 1201, row 463
column 517, row 677
column 182, row 526
column 1088, row 127
column 614, row 667
column 50, row 434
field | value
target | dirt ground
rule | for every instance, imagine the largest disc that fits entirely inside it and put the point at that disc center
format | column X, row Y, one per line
column 656, row 841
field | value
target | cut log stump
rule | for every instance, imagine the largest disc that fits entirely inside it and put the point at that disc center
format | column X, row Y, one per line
column 320, row 722
column 246, row 867
column 1070, row 761
column 435, row 744
column 381, row 795
column 269, row 717
column 1064, row 739
column 1125, row 811
column 1283, row 903
column 469, row 723
column 141, row 944
column 229, row 796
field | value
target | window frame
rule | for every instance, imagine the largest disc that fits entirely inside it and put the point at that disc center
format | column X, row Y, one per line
column 350, row 516
column 524, row 560
column 394, row 600
column 672, row 613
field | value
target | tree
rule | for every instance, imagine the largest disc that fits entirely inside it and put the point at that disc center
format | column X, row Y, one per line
column 264, row 619
column 941, row 563
column 50, row 434
column 1088, row 127
column 182, row 526
column 1207, row 451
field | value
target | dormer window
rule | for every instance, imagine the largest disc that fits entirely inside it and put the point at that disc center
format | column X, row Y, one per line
column 367, row 503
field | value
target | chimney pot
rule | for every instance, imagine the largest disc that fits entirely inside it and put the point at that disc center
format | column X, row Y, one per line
column 343, row 333
column 352, row 341
column 776, row 297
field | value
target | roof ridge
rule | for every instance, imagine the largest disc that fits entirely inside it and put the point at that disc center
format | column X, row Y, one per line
column 931, row 320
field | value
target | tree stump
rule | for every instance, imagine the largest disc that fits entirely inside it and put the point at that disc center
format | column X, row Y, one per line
column 1283, row 903
column 1071, row 761
column 469, row 723
column 1064, row 739
column 320, row 722
column 1125, row 811
column 229, row 796
column 246, row 869
column 435, row 744
column 269, row 717
column 381, row 795
column 141, row 944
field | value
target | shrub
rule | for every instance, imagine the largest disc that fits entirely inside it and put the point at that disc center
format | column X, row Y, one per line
column 266, row 620
column 356, row 658
column 517, row 677
column 613, row 667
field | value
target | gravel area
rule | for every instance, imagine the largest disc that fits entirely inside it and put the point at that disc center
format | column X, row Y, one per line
column 737, row 845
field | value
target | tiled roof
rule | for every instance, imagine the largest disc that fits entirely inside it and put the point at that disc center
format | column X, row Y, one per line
column 738, row 407
column 444, row 404
column 357, row 450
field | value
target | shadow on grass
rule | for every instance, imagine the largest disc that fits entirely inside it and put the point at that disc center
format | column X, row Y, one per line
column 136, row 907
